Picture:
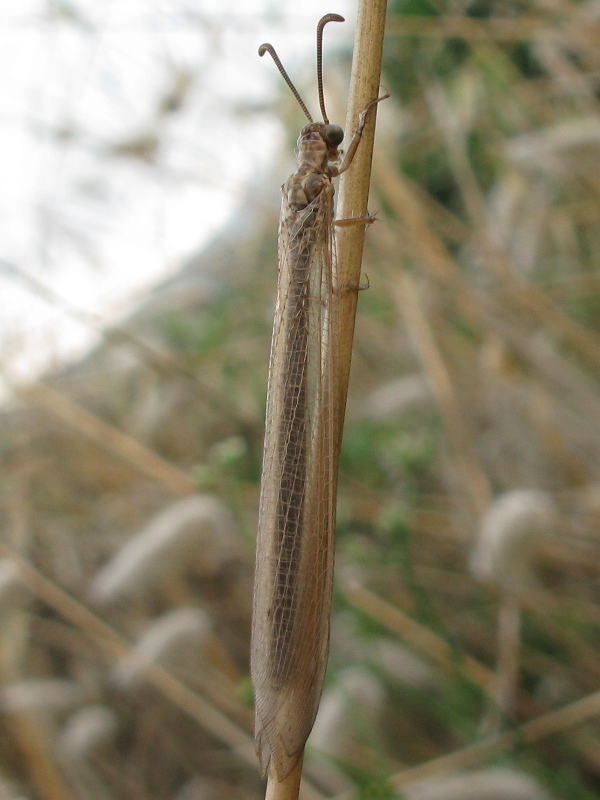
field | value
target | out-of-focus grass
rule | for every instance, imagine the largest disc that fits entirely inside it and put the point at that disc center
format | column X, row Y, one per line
column 475, row 375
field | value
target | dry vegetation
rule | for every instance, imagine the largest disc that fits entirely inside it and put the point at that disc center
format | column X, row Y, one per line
column 466, row 630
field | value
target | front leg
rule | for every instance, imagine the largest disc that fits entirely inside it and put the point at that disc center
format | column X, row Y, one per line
column 357, row 135
column 365, row 219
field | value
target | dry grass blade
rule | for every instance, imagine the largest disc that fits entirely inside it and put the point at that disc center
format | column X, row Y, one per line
column 106, row 436
column 533, row 731
column 499, row 28
column 416, row 635
column 473, row 478
column 119, row 648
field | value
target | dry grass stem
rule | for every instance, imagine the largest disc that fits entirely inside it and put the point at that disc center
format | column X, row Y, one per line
column 354, row 187
column 500, row 29
column 540, row 728
column 472, row 476
column 288, row 789
column 115, row 645
column 107, row 437
column 416, row 635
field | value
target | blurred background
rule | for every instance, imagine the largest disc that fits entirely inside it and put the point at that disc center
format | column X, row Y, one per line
column 142, row 150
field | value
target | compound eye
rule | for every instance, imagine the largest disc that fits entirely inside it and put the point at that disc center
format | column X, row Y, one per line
column 333, row 135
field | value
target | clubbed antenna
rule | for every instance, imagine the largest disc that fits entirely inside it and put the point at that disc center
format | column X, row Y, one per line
column 322, row 22
column 268, row 48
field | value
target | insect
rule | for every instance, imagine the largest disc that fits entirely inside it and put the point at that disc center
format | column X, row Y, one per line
column 294, row 556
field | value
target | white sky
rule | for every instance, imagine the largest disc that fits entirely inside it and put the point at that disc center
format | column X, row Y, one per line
column 80, row 79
